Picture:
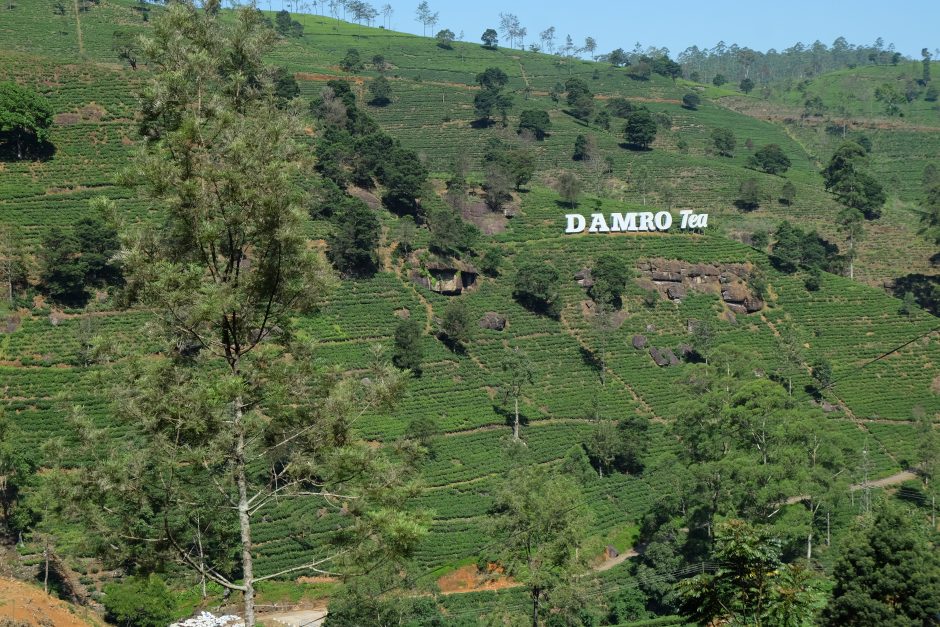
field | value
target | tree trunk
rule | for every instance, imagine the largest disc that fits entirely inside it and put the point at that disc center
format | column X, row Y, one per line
column 535, row 608
column 45, row 579
column 244, row 520
column 809, row 545
column 515, row 425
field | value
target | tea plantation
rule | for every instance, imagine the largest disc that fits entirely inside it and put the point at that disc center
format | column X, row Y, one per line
column 881, row 379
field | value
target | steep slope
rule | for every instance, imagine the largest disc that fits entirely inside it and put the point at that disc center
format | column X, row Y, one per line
column 44, row 372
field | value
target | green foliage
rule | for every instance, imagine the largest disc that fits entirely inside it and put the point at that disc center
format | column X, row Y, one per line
column 72, row 263
column 536, row 286
column 795, row 248
column 611, row 276
column 490, row 38
column 409, row 349
column 353, row 245
column 517, row 165
column 583, row 147
column 536, row 122
column 747, row 85
column 457, row 324
column 724, row 141
column 287, row 27
column 25, row 118
column 541, row 524
column 16, row 468
column 691, row 101
column 749, row 195
column 788, row 193
column 889, row 95
column 381, row 91
column 445, row 39
column 491, row 261
column 568, row 187
column 888, row 573
column 580, row 99
column 352, row 62
column 640, row 130
column 770, row 159
column 719, row 80
column 285, row 86
column 450, row 235
column 139, row 602
column 751, row 586
column 382, row 599
column 930, row 218
column 126, row 46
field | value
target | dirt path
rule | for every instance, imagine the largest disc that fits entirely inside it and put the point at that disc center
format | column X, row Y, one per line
column 885, row 482
column 298, row 618
column 78, row 28
column 26, row 604
column 610, row 562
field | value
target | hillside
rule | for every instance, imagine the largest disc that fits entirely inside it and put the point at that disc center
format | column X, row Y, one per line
column 884, row 363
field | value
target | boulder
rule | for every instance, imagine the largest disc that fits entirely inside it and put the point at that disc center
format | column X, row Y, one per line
column 639, row 341
column 729, row 317
column 583, row 277
column 493, row 321
column 667, row 277
column 670, row 356
column 658, row 358
column 611, row 551
column 675, row 292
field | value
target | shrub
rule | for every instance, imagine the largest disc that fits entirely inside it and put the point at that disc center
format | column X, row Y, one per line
column 691, row 101
column 139, row 602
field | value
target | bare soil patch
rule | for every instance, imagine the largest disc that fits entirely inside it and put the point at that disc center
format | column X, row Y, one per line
column 490, row 222
column 23, row 602
column 469, row 579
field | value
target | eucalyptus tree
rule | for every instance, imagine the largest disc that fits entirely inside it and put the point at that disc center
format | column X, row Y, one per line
column 232, row 414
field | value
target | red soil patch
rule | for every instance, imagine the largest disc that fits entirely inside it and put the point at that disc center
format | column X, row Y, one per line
column 468, row 579
column 25, row 603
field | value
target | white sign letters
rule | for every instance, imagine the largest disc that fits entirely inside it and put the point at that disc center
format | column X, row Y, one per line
column 643, row 221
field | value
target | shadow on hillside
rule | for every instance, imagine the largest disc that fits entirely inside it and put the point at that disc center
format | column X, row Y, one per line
column 509, row 416
column 634, row 147
column 925, row 288
column 38, row 151
column 482, row 123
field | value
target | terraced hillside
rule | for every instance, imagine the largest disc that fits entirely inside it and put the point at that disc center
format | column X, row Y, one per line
column 45, row 369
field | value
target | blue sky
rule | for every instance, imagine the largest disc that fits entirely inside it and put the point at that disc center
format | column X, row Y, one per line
column 910, row 25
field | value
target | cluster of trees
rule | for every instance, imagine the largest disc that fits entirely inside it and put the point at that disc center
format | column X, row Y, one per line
column 286, row 26
column 352, row 149
column 793, row 249
column 505, row 168
column 735, row 63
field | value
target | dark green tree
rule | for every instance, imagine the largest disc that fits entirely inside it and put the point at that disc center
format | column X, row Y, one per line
column 640, row 130
column 25, row 118
column 352, row 247
column 691, row 101
column 788, row 193
column 584, row 146
column 749, row 196
column 381, row 91
column 719, row 80
column 409, row 350
column 536, row 287
column 611, row 275
column 536, row 122
column 724, row 141
column 489, row 102
column 445, row 39
column 930, row 218
column 285, row 86
column 450, row 235
column 770, row 159
column 579, row 98
column 456, row 326
column 746, row 85
column 62, row 269
column 352, row 62
column 490, row 38
column 888, row 573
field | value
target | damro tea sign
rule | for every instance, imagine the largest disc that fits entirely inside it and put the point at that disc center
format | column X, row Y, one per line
column 643, row 221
